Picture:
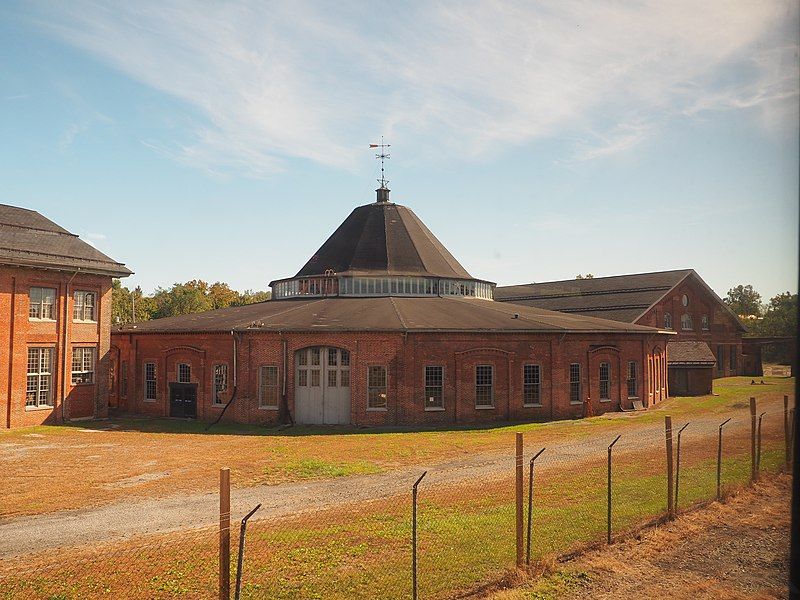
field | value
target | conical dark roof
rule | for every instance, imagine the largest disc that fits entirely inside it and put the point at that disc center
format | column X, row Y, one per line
column 384, row 238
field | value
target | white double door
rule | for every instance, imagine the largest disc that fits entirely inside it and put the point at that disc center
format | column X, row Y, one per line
column 322, row 386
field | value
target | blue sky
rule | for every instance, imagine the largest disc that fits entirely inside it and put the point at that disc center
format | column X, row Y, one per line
column 226, row 141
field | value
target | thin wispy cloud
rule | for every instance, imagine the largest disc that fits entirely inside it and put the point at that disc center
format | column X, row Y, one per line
column 317, row 81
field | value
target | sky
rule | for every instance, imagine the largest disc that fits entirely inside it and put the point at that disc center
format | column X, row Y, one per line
column 538, row 140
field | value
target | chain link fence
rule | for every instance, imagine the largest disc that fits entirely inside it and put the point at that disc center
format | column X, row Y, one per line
column 360, row 543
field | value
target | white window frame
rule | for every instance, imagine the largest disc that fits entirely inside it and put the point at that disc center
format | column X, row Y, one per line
column 146, row 382
column 667, row 320
column 606, row 381
column 705, row 323
column 440, row 387
column 179, row 372
column 79, row 306
column 536, row 385
column 577, row 383
column 40, row 375
column 687, row 323
column 384, row 387
column 41, row 304
column 219, row 383
column 483, row 385
column 632, row 380
column 87, row 364
column 263, row 387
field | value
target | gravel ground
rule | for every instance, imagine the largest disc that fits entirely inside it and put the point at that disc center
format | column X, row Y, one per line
column 129, row 518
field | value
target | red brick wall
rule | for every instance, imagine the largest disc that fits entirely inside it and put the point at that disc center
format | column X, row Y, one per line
column 723, row 329
column 18, row 333
column 405, row 356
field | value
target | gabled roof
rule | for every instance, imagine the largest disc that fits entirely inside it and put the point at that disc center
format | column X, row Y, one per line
column 384, row 238
column 621, row 297
column 385, row 314
column 27, row 239
column 690, row 353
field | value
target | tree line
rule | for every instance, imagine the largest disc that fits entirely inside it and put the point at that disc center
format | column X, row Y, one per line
column 778, row 317
column 132, row 306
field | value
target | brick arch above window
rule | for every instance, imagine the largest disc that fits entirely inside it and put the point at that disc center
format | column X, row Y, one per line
column 176, row 349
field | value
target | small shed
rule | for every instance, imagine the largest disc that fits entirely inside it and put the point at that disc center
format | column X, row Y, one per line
column 691, row 368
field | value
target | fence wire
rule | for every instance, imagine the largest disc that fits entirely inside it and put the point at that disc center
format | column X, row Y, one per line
column 361, row 545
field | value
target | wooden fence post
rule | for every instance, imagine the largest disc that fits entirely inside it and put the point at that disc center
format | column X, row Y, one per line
column 752, row 440
column 224, row 533
column 670, row 496
column 520, row 478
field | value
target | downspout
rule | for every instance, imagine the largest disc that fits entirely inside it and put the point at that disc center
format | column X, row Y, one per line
column 11, row 350
column 235, row 383
column 287, row 414
column 64, row 350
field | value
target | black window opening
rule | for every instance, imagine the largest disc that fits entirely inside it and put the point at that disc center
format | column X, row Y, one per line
column 720, row 359
column 732, row 359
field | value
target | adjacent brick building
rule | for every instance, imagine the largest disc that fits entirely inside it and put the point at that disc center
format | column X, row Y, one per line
column 678, row 301
column 55, row 322
column 383, row 326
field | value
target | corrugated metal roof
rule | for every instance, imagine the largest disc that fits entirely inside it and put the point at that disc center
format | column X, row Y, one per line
column 28, row 239
column 386, row 314
column 689, row 353
column 384, row 238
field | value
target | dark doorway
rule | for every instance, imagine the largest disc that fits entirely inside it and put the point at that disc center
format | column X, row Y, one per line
column 183, row 400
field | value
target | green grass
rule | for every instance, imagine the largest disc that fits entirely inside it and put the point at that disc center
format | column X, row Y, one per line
column 315, row 468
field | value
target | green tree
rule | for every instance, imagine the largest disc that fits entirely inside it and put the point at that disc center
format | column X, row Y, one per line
column 780, row 318
column 181, row 299
column 124, row 302
column 744, row 301
column 252, row 296
column 222, row 296
column 587, row 276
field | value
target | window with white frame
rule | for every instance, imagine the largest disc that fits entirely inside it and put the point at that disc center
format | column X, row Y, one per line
column 632, row 379
column 83, row 306
column 184, row 373
column 42, row 303
column 605, row 381
column 150, row 381
column 220, row 382
column 83, row 361
column 268, row 387
column 667, row 321
column 39, row 390
column 484, row 385
column 575, row 382
column 434, row 387
column 704, row 323
column 376, row 386
column 686, row 322
column 531, row 385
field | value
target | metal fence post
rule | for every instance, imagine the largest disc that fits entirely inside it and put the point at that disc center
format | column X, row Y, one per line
column 608, row 520
column 224, row 533
column 719, row 459
column 520, row 477
column 240, row 560
column 678, row 466
column 530, row 509
column 753, row 475
column 670, row 497
column 414, row 535
column 758, row 446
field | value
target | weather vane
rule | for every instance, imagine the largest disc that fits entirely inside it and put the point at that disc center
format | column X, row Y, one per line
column 382, row 155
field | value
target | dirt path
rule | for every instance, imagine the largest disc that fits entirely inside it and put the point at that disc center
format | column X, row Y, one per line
column 739, row 549
column 187, row 511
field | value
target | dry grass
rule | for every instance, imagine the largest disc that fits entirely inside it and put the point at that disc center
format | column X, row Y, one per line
column 737, row 549
column 53, row 468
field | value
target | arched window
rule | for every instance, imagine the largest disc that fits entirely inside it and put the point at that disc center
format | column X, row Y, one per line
column 686, row 322
column 667, row 321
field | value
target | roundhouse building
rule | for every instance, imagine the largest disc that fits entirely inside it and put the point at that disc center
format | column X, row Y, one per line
column 383, row 326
